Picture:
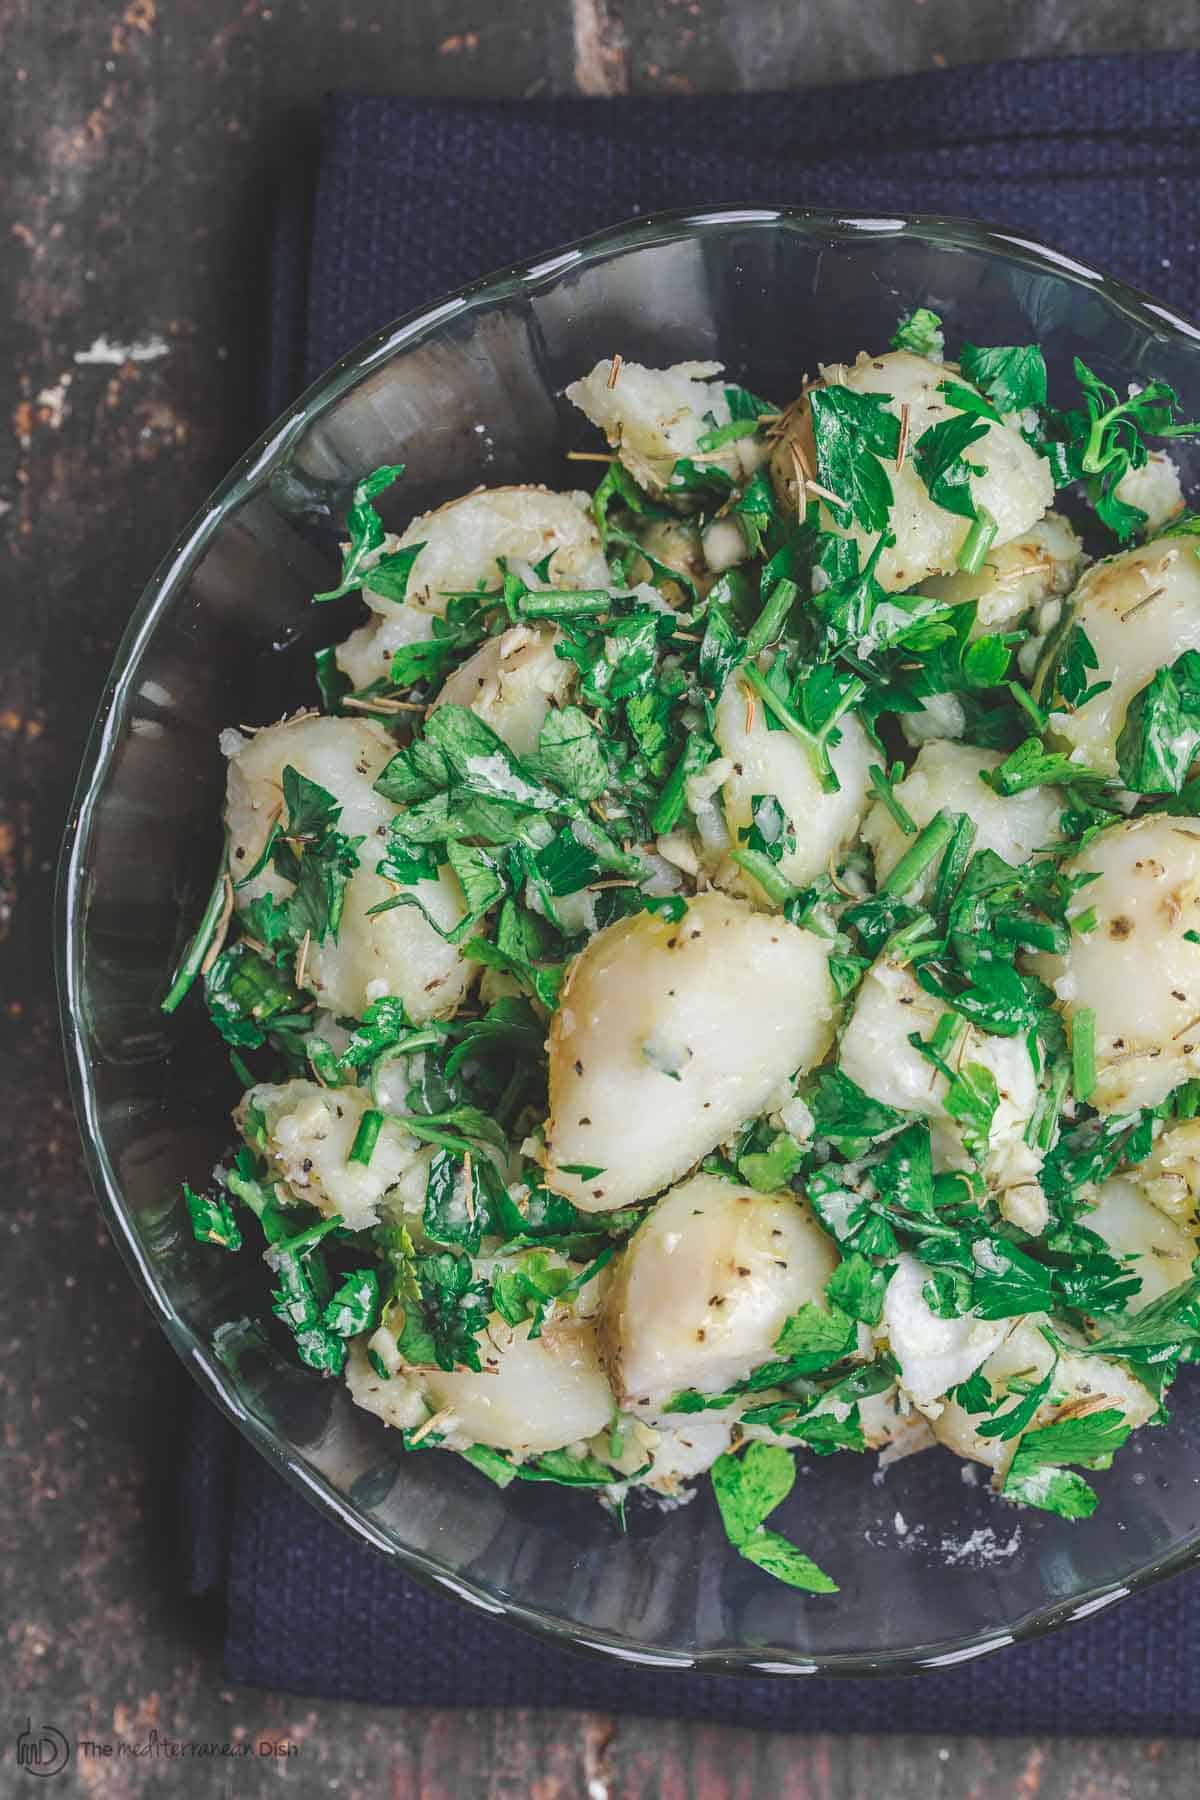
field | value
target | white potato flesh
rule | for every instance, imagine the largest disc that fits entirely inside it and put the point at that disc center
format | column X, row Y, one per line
column 396, row 1398
column 668, row 1035
column 1040, row 565
column 343, row 756
column 532, row 1394
column 934, row 1354
column 773, row 762
column 1170, row 1175
column 1136, row 969
column 396, row 952
column 1154, row 489
column 1016, row 486
column 1141, row 611
column 1081, row 1383
column 887, row 1426
column 511, row 683
column 1133, row 1227
column 652, row 417
column 876, row 1054
column 705, row 1286
column 310, row 1133
column 948, row 776
column 464, row 541
column 681, row 1449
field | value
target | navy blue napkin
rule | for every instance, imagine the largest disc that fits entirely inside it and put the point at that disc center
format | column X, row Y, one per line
column 1097, row 155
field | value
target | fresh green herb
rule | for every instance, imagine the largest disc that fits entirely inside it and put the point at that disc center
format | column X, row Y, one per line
column 212, row 1219
column 940, row 458
column 851, row 432
column 1012, row 376
column 1037, row 1475
column 366, row 1137
column 920, row 332
column 749, row 1488
column 1160, row 739
column 365, row 530
column 1083, row 1052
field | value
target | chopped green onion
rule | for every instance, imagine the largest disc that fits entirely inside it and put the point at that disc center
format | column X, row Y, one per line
column 977, row 542
column 769, row 623
column 917, row 858
column 197, row 950
column 883, row 782
column 365, row 1138
column 1083, row 1052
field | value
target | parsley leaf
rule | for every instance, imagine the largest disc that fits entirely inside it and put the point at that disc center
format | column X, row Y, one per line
column 920, row 332
column 1161, row 735
column 1037, row 1475
column 851, row 431
column 750, row 1487
column 570, row 754
column 1012, row 376
column 365, row 530
column 212, row 1219
column 941, row 462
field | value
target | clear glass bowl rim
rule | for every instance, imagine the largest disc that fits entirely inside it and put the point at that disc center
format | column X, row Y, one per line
column 248, row 476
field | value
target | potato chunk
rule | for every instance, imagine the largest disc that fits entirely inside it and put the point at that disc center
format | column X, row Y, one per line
column 511, row 683
column 773, row 762
column 653, row 417
column 1136, row 968
column 533, row 1394
column 1081, row 1383
column 1160, row 1251
column 343, row 756
column 1042, row 564
column 1016, row 486
column 1141, row 611
column 396, row 952
column 934, row 1354
column 310, row 1132
column 464, row 541
column 947, row 775
column 876, row 1054
column 706, row 1285
column 669, row 1035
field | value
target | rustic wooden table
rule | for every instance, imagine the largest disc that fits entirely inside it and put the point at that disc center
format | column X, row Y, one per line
column 146, row 142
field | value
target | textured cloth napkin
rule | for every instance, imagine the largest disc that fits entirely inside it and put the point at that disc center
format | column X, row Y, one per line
column 1096, row 155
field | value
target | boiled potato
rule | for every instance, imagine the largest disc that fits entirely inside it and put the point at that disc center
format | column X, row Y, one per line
column 656, row 1055
column 934, row 1354
column 1081, row 1384
column 1170, row 1175
column 310, row 1132
column 464, row 542
column 1016, row 486
column 1159, row 1249
column 344, row 756
column 396, row 952
column 1042, row 564
column 653, row 417
column 948, row 776
column 511, row 683
column 1136, row 969
column 773, row 762
column 1154, row 489
column 876, row 1054
column 532, row 1394
column 706, row 1285
column 1141, row 611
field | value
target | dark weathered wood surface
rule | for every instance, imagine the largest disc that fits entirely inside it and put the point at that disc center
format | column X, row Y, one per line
column 145, row 139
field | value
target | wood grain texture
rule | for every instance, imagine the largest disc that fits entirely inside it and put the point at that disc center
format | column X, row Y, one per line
column 144, row 143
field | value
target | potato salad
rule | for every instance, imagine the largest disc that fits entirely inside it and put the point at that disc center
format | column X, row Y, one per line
column 718, row 974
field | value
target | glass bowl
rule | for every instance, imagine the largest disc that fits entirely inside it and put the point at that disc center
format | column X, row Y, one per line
column 932, row 1567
